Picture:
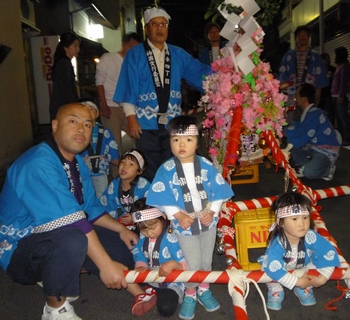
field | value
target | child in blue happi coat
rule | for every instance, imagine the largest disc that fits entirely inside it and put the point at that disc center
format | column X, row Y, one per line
column 293, row 245
column 158, row 249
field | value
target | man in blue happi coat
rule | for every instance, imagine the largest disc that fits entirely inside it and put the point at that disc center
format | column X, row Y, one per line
column 151, row 88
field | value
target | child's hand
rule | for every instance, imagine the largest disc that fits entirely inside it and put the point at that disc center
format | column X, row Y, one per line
column 185, row 220
column 317, row 281
column 126, row 219
column 303, row 282
column 141, row 269
column 208, row 218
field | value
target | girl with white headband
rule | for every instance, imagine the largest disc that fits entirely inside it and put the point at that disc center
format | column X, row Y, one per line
column 191, row 191
column 124, row 190
column 293, row 245
column 158, row 249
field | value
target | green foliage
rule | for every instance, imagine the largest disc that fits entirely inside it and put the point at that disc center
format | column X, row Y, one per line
column 268, row 10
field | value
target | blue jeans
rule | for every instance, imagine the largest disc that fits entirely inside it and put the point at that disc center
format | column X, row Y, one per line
column 55, row 258
column 316, row 164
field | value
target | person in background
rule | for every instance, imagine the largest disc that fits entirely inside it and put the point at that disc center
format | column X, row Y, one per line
column 293, row 245
column 212, row 34
column 151, row 88
column 315, row 142
column 326, row 103
column 107, row 75
column 340, row 90
column 302, row 65
column 55, row 226
column 191, row 191
column 101, row 152
column 158, row 249
column 130, row 186
column 64, row 88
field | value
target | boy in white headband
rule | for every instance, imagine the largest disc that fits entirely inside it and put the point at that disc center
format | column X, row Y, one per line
column 124, row 190
column 191, row 191
column 101, row 152
column 293, row 245
column 158, row 249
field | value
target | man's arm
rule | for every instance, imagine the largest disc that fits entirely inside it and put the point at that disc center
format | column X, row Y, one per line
column 111, row 272
column 105, row 109
column 106, row 221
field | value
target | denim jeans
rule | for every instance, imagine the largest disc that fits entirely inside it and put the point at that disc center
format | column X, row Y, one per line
column 55, row 258
column 316, row 164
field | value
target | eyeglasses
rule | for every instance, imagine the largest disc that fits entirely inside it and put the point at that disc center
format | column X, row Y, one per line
column 159, row 25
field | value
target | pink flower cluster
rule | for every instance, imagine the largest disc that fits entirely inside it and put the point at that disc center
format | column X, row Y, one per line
column 258, row 93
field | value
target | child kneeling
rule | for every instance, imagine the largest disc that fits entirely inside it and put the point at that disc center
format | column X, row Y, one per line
column 293, row 245
column 158, row 249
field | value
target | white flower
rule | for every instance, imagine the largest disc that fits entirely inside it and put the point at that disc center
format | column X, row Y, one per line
column 158, row 187
column 171, row 237
column 169, row 165
column 166, row 254
column 275, row 265
column 330, row 255
column 310, row 237
column 103, row 200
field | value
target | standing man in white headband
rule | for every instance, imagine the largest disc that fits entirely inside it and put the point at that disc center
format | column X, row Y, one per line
column 151, row 88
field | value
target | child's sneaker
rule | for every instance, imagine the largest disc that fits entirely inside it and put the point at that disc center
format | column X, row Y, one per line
column 144, row 302
column 274, row 300
column 306, row 296
column 208, row 301
column 65, row 312
column 187, row 308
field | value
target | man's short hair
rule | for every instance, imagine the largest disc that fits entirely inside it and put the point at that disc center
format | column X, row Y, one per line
column 302, row 28
column 308, row 91
column 131, row 36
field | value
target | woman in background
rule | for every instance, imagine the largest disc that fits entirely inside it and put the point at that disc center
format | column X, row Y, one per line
column 64, row 89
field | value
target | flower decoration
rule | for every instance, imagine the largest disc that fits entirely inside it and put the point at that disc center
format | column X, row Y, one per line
column 228, row 87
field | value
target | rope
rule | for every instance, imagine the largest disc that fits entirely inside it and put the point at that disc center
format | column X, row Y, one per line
column 344, row 291
column 238, row 279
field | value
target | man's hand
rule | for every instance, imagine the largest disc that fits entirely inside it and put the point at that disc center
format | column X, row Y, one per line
column 112, row 275
column 129, row 237
column 134, row 127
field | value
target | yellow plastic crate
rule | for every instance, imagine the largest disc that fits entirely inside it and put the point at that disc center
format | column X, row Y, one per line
column 252, row 231
column 247, row 174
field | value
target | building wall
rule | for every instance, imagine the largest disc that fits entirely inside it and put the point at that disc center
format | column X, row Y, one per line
column 15, row 120
column 302, row 14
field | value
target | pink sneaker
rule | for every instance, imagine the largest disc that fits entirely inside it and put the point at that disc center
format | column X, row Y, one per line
column 144, row 302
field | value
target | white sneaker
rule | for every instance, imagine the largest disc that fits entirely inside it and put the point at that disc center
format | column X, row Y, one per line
column 65, row 312
column 331, row 174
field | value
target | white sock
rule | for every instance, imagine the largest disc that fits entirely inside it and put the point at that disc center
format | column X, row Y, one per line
column 63, row 308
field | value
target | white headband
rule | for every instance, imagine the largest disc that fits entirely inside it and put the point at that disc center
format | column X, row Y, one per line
column 89, row 103
column 147, row 214
column 289, row 211
column 138, row 157
column 191, row 130
column 155, row 12
column 293, row 210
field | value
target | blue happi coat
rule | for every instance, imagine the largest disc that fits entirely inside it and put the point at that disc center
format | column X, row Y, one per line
column 166, row 189
column 37, row 191
column 137, row 86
